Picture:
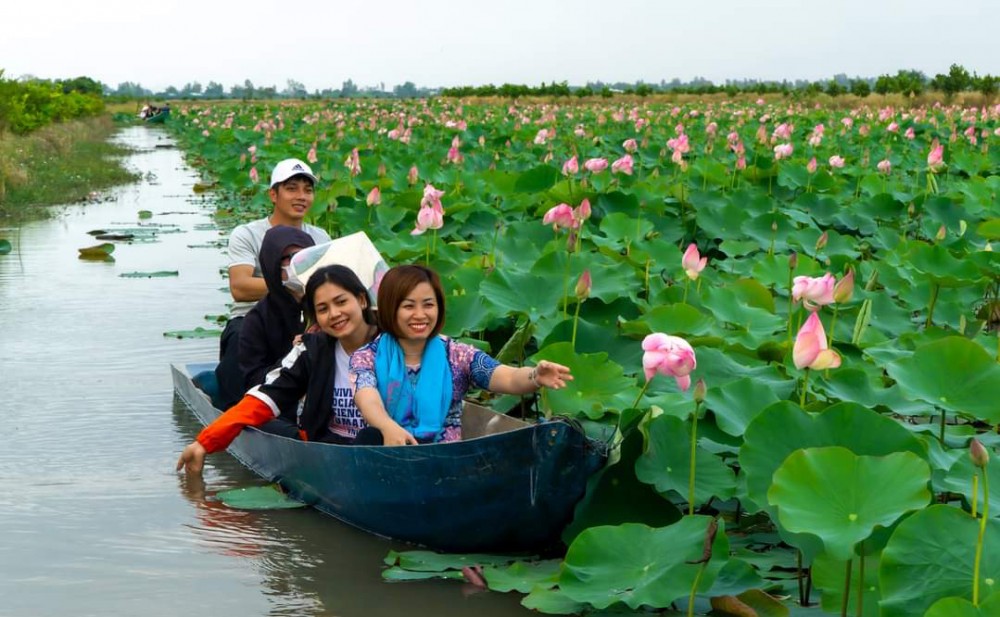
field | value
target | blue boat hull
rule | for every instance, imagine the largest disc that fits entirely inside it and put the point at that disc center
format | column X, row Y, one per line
column 512, row 491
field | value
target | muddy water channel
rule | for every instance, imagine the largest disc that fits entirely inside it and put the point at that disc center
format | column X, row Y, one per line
column 93, row 518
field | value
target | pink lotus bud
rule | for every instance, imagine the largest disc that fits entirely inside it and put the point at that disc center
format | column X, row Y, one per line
column 884, row 167
column 595, row 166
column 630, row 145
column 692, row 262
column 811, row 349
column 668, row 355
column 793, row 261
column 254, row 176
column 935, row 159
column 821, row 242
column 583, row 286
column 381, row 170
column 570, row 167
column 941, row 234
column 560, row 216
column 374, row 197
column 843, row 291
column 412, row 176
column 979, row 454
column 428, row 218
column 910, row 134
column 783, row 151
column 582, row 212
column 811, row 165
column 623, row 165
column 311, row 155
column 836, row 161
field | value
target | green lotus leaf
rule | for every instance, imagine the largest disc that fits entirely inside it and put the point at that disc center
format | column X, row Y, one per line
column 828, row 576
column 523, row 576
column 784, row 428
column 676, row 319
column 148, row 275
column 638, row 565
column 98, row 250
column 757, row 324
column 519, row 293
column 615, row 496
column 960, row 607
column 467, row 313
column 398, row 574
column 666, row 463
column 536, row 179
column 737, row 403
column 989, row 229
column 841, row 497
column 736, row 577
column 430, row 561
column 258, row 498
column 940, row 266
column 958, row 479
column 198, row 332
column 855, row 385
column 596, row 338
column 5, row 246
column 952, row 373
column 599, row 386
column 552, row 602
column 718, row 217
column 930, row 556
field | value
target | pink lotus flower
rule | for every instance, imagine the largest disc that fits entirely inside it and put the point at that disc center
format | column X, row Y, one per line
column 910, row 134
column 432, row 198
column 836, row 161
column 783, row 151
column 623, row 165
column 560, row 216
column 811, row 349
column 843, row 291
column 935, row 159
column 311, row 155
column 454, row 156
column 668, row 355
column 353, row 162
column 428, row 218
column 884, row 166
column 570, row 167
column 595, row 166
column 252, row 150
column 692, row 262
column 205, row 133
column 374, row 197
column 630, row 145
column 582, row 212
column 813, row 292
column 412, row 176
column 542, row 136
column 892, row 128
column 254, row 176
column 811, row 165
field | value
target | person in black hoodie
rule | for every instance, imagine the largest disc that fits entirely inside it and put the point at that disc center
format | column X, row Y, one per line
column 317, row 368
column 273, row 323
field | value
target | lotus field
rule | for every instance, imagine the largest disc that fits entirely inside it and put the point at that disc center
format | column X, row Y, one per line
column 783, row 318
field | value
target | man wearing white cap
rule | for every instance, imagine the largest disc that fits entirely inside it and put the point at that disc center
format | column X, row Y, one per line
column 292, row 193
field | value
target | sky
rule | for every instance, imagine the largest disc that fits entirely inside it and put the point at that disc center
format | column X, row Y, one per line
column 439, row 43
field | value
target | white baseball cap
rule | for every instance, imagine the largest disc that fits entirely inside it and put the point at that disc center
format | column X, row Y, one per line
column 288, row 168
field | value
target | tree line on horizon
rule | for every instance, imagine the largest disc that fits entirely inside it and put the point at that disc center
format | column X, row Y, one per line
column 905, row 82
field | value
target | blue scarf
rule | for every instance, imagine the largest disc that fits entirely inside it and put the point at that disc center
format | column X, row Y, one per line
column 419, row 408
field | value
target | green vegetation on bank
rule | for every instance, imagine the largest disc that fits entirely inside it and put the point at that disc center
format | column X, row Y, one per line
column 26, row 106
column 59, row 164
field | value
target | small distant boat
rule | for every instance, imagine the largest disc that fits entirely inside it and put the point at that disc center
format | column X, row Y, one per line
column 154, row 115
column 509, row 486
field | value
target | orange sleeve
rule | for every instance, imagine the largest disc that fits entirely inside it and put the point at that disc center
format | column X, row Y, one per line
column 250, row 411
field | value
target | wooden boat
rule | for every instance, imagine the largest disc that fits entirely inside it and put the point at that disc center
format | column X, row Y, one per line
column 508, row 486
column 159, row 117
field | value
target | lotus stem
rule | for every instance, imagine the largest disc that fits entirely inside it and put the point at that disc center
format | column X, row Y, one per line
column 805, row 388
column 569, row 258
column 982, row 534
column 930, row 305
column 576, row 320
column 833, row 324
column 944, row 416
column 798, row 576
column 694, row 447
column 687, row 286
column 694, row 588
column 975, row 493
column 639, row 398
column 859, row 608
column 847, row 588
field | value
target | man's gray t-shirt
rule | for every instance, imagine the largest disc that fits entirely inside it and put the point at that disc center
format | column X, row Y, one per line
column 244, row 249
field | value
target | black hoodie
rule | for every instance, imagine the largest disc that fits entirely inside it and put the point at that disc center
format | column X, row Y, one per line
column 270, row 326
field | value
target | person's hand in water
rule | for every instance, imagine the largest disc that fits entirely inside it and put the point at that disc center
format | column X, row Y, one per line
column 192, row 459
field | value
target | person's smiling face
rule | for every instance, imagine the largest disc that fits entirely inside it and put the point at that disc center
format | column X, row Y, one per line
column 418, row 313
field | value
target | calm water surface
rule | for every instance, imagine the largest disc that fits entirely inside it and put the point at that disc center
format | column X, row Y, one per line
column 94, row 519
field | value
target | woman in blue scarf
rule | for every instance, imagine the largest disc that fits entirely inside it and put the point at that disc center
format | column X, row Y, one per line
column 409, row 382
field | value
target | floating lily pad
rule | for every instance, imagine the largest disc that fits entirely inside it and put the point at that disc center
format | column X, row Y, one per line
column 5, row 246
column 148, row 275
column 198, row 332
column 523, row 576
column 113, row 236
column 258, row 498
column 145, row 214
column 98, row 250
column 639, row 565
column 960, row 607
